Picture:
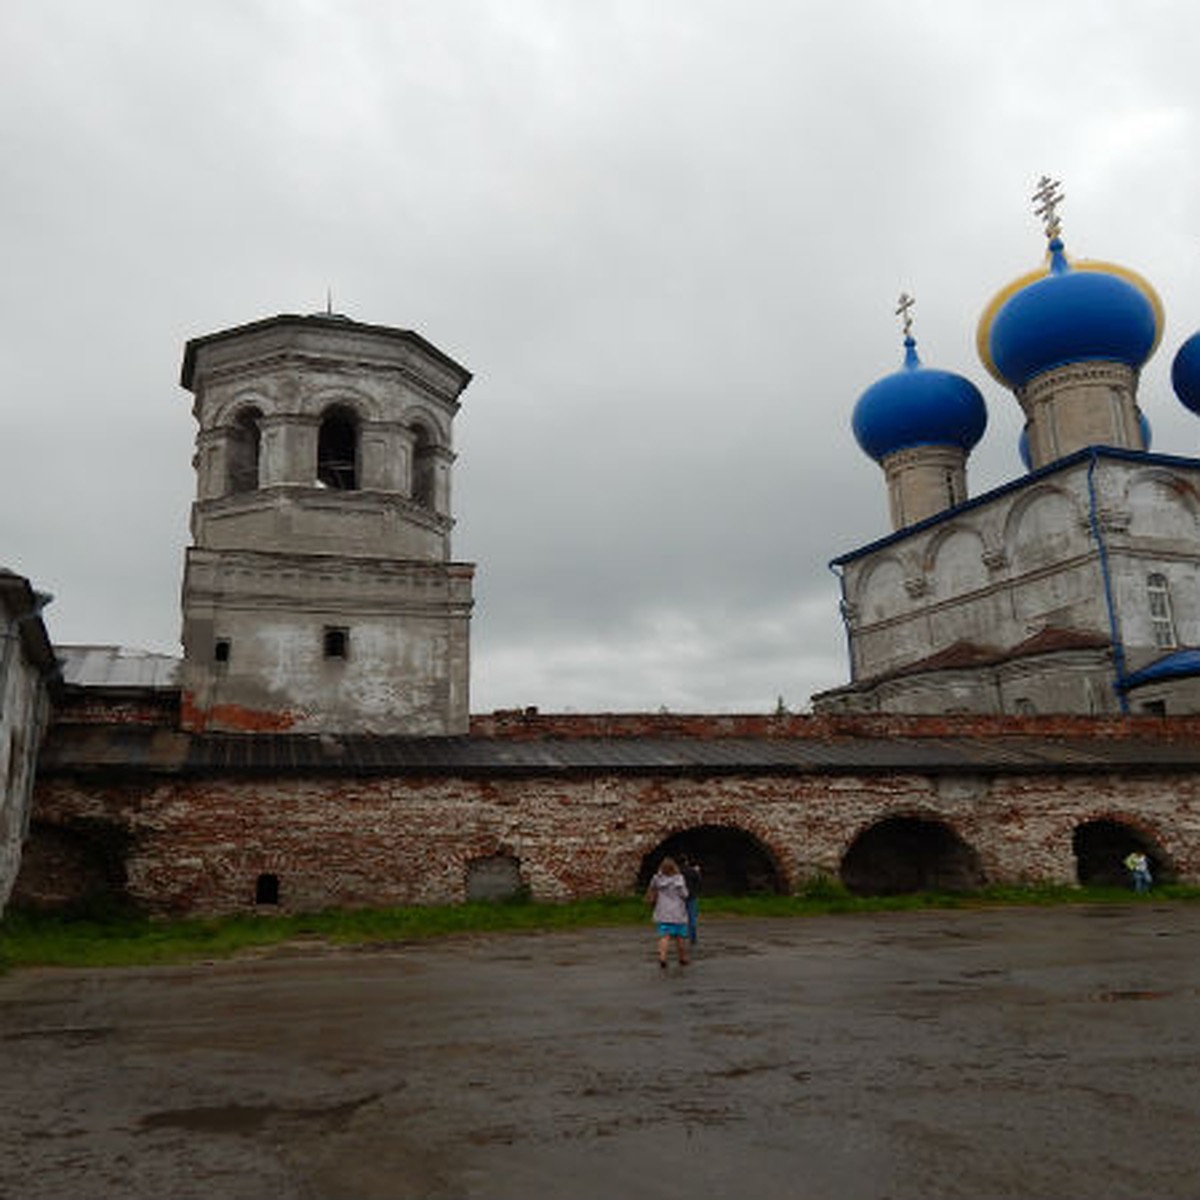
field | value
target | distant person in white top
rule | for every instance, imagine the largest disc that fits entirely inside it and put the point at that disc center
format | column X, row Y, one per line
column 668, row 893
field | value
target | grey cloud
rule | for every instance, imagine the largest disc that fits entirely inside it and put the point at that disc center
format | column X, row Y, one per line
column 667, row 239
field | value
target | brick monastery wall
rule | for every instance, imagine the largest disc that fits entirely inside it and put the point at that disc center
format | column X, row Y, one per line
column 199, row 844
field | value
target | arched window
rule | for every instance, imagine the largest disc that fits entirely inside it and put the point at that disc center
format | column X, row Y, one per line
column 245, row 440
column 337, row 450
column 1162, row 623
column 423, row 473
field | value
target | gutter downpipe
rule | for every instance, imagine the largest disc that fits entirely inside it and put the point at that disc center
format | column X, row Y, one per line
column 844, row 614
column 1114, row 630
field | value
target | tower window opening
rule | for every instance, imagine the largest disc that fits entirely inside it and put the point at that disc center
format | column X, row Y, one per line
column 1162, row 623
column 245, row 445
column 266, row 889
column 337, row 642
column 423, row 489
column 221, row 650
column 337, row 451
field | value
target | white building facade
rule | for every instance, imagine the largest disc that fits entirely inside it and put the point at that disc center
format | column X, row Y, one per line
column 28, row 670
column 1073, row 589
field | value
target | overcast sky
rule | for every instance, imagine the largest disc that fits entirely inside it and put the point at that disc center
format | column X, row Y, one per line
column 667, row 236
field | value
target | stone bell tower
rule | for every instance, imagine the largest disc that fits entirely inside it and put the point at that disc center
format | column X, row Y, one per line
column 318, row 592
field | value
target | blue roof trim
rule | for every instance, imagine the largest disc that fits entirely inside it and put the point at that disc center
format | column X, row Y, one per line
column 1180, row 664
column 1061, row 464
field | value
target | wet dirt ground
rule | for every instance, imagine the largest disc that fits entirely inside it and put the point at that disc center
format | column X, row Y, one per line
column 1004, row 1053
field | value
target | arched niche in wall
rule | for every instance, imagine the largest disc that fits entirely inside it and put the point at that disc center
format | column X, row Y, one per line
column 1043, row 528
column 1162, row 505
column 495, row 877
column 956, row 562
column 881, row 593
column 903, row 854
column 732, row 861
column 1100, row 848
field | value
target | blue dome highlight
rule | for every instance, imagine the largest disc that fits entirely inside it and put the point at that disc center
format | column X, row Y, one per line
column 918, row 406
column 1185, row 373
column 1070, row 314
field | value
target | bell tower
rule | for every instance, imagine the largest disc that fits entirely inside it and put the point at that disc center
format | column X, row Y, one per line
column 318, row 592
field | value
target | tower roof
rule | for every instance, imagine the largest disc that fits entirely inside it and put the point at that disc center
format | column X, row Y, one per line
column 294, row 324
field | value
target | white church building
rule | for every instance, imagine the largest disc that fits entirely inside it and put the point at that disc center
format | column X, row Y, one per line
column 1072, row 589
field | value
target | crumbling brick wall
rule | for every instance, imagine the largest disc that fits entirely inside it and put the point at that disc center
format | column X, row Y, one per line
column 199, row 844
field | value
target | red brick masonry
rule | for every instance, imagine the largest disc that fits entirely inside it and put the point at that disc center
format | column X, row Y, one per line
column 581, row 806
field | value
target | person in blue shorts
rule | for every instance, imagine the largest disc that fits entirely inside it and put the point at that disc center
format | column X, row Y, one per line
column 668, row 893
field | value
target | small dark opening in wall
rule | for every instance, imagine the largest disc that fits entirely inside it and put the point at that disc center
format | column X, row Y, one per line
column 337, row 642
column 221, row 650
column 266, row 889
column 1155, row 708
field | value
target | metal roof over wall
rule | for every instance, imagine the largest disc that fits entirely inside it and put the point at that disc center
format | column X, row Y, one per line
column 146, row 749
column 117, row 667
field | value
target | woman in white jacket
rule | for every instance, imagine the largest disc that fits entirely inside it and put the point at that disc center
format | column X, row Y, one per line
column 668, row 893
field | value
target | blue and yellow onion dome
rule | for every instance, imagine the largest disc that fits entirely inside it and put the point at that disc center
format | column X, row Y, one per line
column 918, row 406
column 1068, row 312
column 1185, row 373
column 1027, row 460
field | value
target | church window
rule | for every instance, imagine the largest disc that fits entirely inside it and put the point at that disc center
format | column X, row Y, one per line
column 221, row 650
column 422, row 468
column 337, row 642
column 337, row 450
column 1162, row 623
column 245, row 443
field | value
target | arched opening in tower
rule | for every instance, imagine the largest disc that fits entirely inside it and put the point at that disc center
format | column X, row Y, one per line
column 337, row 450
column 245, row 442
column 732, row 862
column 1101, row 848
column 423, row 478
column 909, row 854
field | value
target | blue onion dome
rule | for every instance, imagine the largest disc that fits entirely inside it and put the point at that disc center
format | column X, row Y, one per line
column 1023, row 440
column 918, row 406
column 1185, row 373
column 1068, row 312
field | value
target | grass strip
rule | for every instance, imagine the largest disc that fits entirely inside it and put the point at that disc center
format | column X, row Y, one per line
column 98, row 939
